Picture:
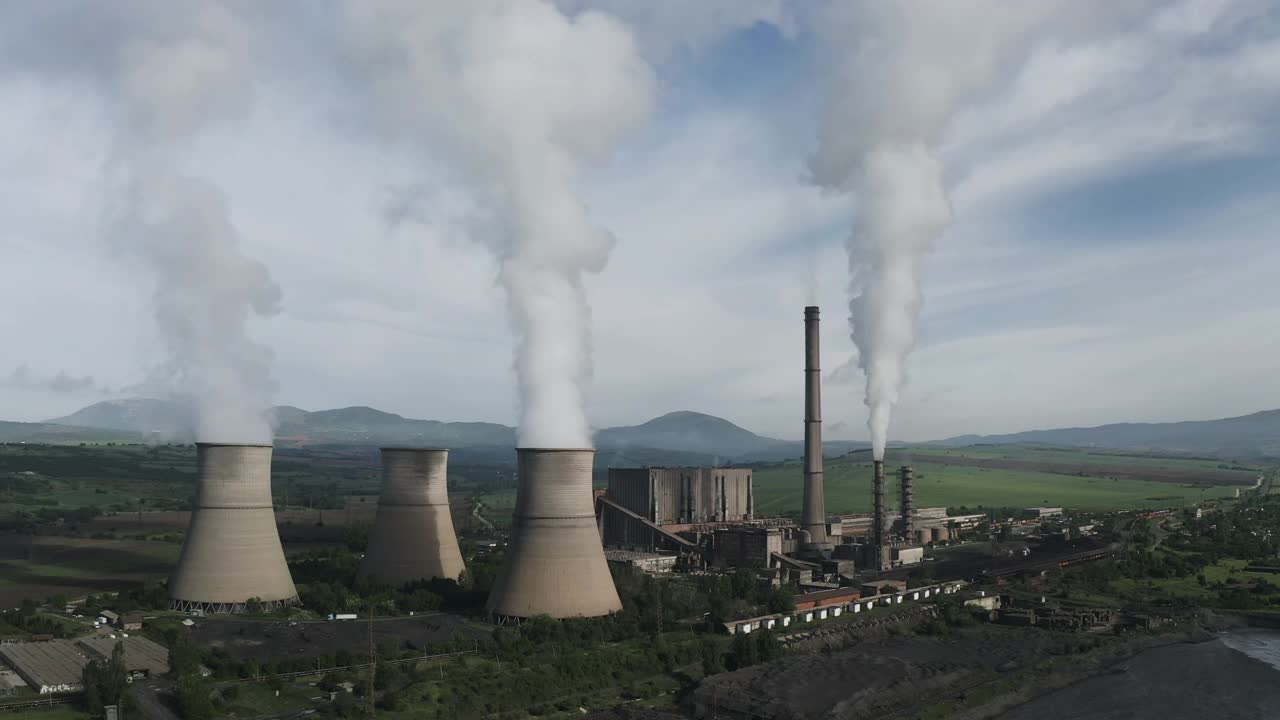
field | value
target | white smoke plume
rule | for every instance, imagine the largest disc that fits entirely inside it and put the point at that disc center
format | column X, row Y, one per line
column 902, row 69
column 166, row 71
column 525, row 97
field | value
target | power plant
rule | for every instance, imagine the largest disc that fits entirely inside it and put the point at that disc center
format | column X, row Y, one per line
column 555, row 563
column 232, row 552
column 814, row 513
column 412, row 537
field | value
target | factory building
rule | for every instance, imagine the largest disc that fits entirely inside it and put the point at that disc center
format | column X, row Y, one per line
column 640, row 499
column 669, row 496
column 753, row 546
column 1040, row 513
column 654, row 563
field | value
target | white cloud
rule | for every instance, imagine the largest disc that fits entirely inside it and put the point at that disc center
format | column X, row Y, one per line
column 720, row 243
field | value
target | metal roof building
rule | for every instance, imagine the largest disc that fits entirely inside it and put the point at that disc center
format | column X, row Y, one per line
column 48, row 667
column 140, row 654
column 58, row 665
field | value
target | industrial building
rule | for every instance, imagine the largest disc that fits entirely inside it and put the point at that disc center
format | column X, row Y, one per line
column 820, row 606
column 644, row 561
column 555, row 563
column 232, row 552
column 412, row 537
column 1040, row 513
column 56, row 666
column 672, row 496
column 752, row 546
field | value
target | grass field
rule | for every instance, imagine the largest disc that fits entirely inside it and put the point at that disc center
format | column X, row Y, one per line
column 40, row 567
column 1069, row 478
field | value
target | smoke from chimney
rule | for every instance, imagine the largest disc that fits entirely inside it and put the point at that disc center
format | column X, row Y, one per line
column 525, row 97
column 166, row 71
column 902, row 69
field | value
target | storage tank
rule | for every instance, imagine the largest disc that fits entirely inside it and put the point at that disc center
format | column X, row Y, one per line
column 232, row 552
column 555, row 561
column 412, row 537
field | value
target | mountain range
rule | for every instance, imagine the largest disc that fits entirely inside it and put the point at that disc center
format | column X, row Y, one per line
column 675, row 438
column 1254, row 435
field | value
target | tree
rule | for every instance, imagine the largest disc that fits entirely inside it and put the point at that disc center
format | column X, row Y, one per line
column 712, row 659
column 104, row 682
column 743, row 653
column 191, row 692
column 768, row 646
column 782, row 599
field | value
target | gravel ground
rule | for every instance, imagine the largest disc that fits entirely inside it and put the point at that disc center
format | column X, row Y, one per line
column 1194, row 681
column 871, row 680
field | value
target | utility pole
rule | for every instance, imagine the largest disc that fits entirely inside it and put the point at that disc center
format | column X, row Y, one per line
column 373, row 662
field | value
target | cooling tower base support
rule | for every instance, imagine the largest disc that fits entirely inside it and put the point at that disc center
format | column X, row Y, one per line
column 213, row 608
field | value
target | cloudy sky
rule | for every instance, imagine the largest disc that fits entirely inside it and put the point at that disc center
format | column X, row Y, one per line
column 1113, row 255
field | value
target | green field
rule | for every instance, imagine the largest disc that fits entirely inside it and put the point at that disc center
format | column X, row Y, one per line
column 1069, row 478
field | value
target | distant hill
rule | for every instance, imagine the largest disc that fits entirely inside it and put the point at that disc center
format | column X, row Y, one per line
column 700, row 433
column 1256, row 435
column 690, row 432
column 142, row 415
column 675, row 438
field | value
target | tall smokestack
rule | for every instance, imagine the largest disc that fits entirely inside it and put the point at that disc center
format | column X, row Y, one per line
column 815, row 515
column 232, row 553
column 412, row 537
column 907, row 506
column 877, row 530
column 555, row 562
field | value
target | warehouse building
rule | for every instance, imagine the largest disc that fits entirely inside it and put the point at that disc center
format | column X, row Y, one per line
column 57, row 666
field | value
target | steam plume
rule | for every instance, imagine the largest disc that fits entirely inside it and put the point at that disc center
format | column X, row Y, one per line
column 526, row 96
column 167, row 70
column 902, row 70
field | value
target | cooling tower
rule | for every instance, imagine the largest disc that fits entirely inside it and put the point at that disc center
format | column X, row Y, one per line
column 232, row 552
column 555, row 561
column 814, row 515
column 412, row 536
column 907, row 507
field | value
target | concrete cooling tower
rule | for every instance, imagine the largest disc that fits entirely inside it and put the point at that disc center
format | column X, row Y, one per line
column 232, row 553
column 555, row 561
column 412, row 536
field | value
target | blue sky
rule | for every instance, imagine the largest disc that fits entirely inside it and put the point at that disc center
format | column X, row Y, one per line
column 1112, row 256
